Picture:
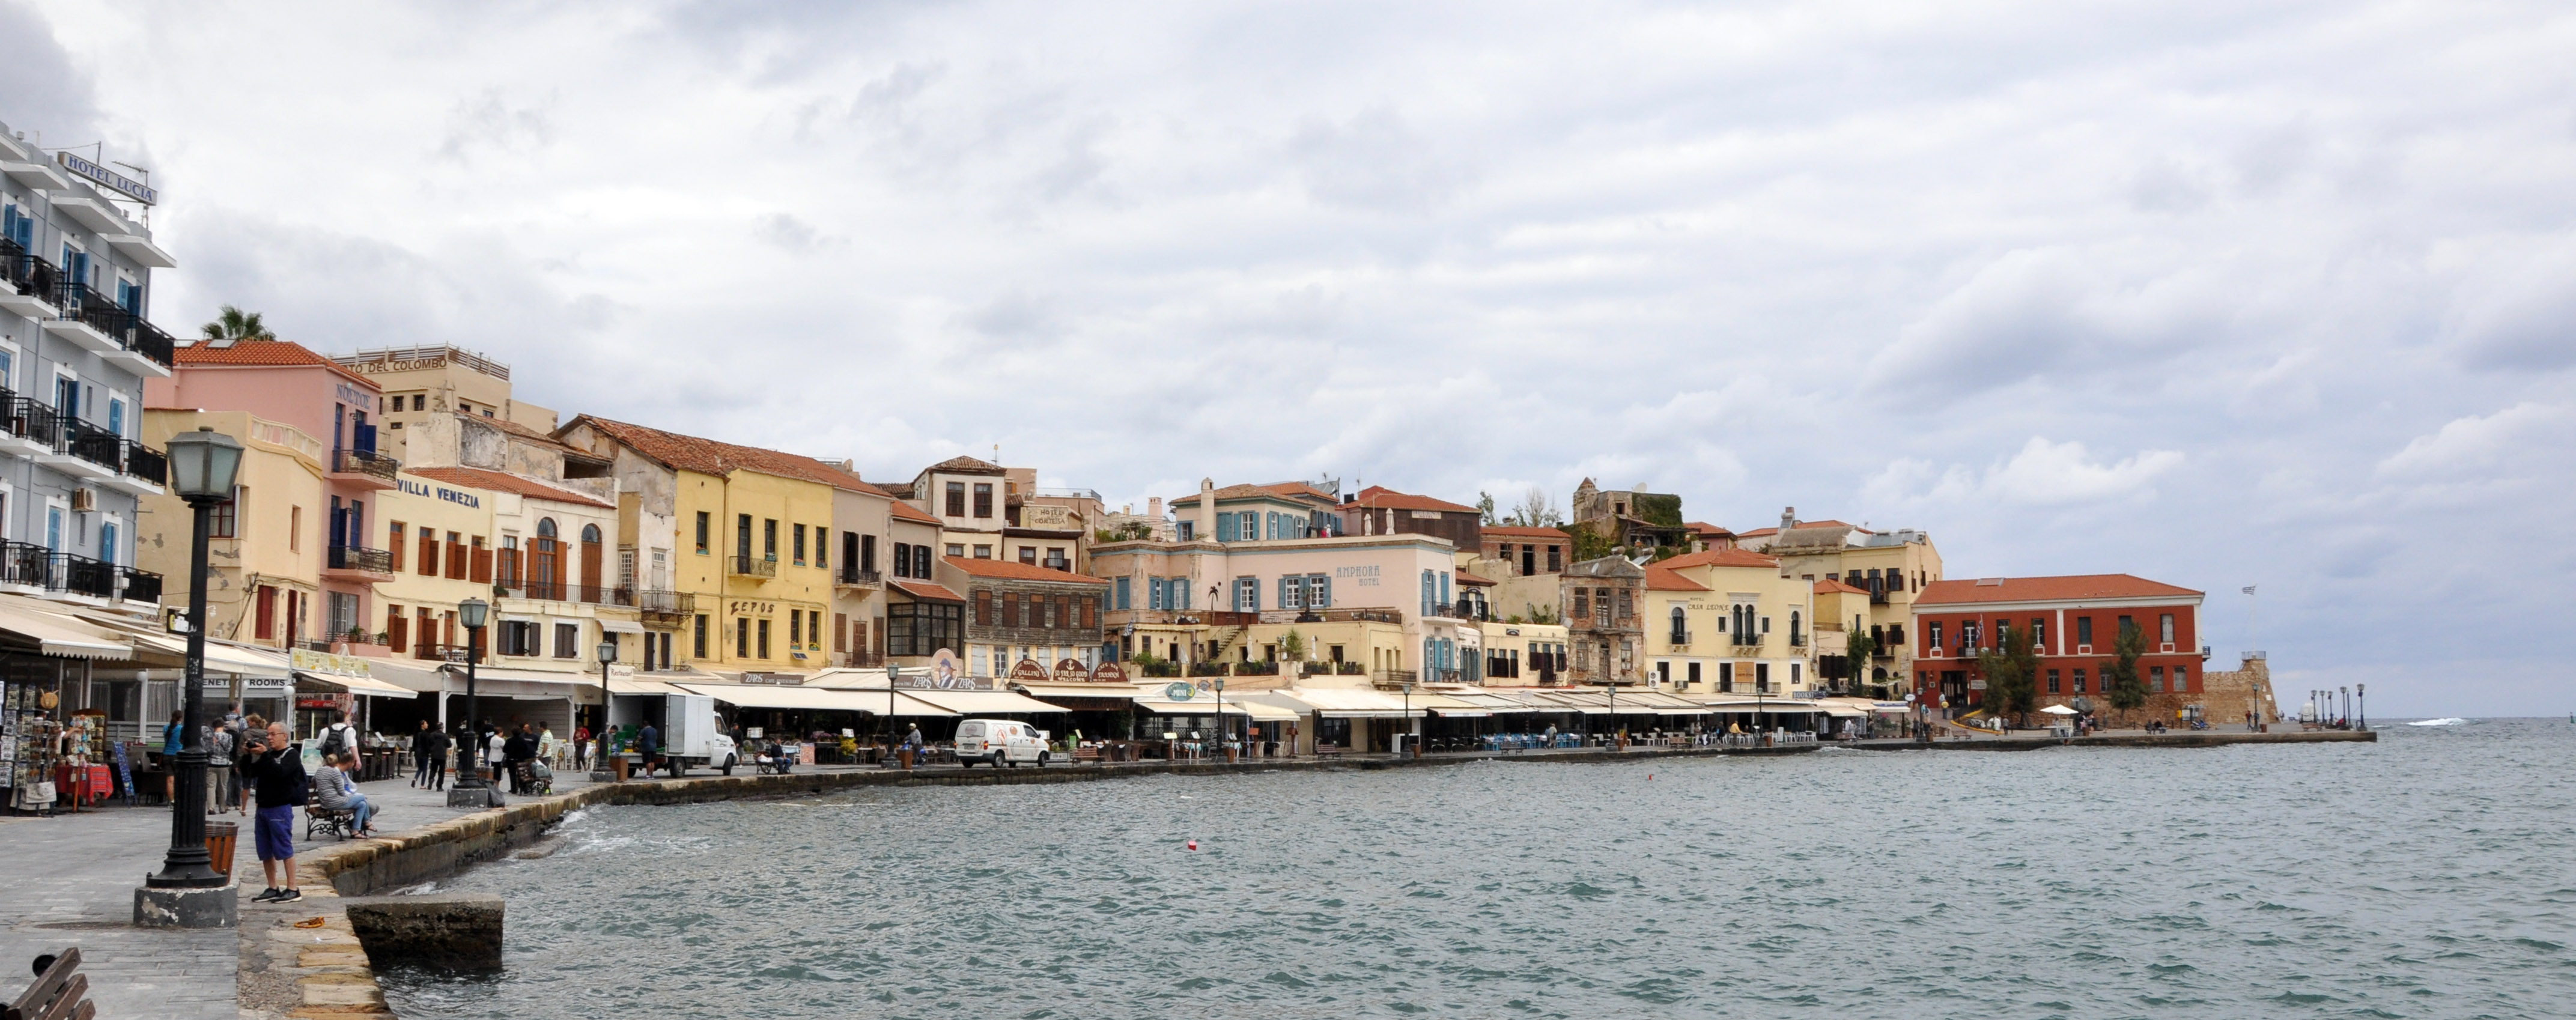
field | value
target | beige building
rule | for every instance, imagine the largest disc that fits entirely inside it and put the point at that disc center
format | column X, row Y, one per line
column 423, row 383
column 1726, row 624
column 1891, row 567
column 267, row 552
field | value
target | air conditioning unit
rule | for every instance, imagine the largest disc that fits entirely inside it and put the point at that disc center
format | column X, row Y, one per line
column 84, row 500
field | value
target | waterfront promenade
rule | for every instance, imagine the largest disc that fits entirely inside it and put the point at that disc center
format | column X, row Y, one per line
column 73, row 876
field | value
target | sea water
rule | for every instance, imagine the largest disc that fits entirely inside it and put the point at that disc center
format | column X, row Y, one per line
column 2432, row 874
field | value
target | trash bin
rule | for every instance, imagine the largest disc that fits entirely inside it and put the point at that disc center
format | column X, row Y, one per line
column 219, row 845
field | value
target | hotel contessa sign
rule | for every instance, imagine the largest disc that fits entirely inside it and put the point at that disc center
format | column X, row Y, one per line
column 439, row 492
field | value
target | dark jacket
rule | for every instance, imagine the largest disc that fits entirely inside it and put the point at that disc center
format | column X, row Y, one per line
column 520, row 747
column 278, row 777
column 434, row 745
column 648, row 740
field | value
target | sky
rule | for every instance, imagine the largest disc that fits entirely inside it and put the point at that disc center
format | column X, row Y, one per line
column 2218, row 294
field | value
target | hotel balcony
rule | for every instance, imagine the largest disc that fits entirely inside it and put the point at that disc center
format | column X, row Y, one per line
column 756, row 567
column 26, row 427
column 358, row 563
column 36, row 570
column 27, row 282
column 669, row 608
column 144, row 472
column 83, row 450
column 365, row 468
column 852, row 577
column 115, row 334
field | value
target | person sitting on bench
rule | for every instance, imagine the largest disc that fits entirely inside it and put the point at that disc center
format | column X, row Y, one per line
column 333, row 788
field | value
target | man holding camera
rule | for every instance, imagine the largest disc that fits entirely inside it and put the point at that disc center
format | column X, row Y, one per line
column 276, row 772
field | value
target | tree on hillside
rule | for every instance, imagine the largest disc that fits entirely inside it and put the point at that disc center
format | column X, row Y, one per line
column 1536, row 511
column 1856, row 652
column 2120, row 675
column 234, row 324
column 2011, row 668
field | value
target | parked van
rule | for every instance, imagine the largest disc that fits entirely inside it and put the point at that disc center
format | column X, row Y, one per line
column 1001, row 742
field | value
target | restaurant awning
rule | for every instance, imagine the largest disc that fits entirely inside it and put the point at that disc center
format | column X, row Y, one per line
column 1357, row 702
column 232, row 660
column 620, row 626
column 1195, row 707
column 413, row 677
column 64, row 636
column 640, row 686
column 824, row 699
column 359, row 685
column 1789, row 706
column 1120, row 692
column 984, row 702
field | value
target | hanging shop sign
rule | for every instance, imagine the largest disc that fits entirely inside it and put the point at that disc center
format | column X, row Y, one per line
column 1108, row 672
column 1027, row 671
column 1071, row 671
column 311, row 661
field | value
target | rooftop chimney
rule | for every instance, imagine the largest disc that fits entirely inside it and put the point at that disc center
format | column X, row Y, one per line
column 1788, row 517
column 1154, row 508
column 1207, row 510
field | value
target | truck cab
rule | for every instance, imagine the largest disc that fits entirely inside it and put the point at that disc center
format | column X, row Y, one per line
column 1000, row 742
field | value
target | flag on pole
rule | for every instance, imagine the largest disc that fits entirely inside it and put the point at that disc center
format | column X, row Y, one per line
column 2249, row 589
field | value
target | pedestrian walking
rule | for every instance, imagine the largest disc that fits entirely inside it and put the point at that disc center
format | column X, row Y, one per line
column 254, row 726
column 496, row 752
column 219, row 768
column 517, row 752
column 277, row 778
column 648, row 746
column 420, row 756
column 436, row 756
column 581, row 748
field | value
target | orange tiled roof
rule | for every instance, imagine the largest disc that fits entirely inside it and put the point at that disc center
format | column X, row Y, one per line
column 496, row 481
column 966, row 466
column 1012, row 570
column 1830, row 586
column 1467, row 578
column 1720, row 558
column 1705, row 528
column 260, row 353
column 2069, row 588
column 1662, row 578
column 910, row 512
column 927, row 590
column 1377, row 496
column 1515, row 531
column 1241, row 492
column 710, row 457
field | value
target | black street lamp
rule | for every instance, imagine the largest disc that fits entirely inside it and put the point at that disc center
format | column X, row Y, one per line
column 472, row 790
column 2361, row 696
column 203, row 465
column 607, row 654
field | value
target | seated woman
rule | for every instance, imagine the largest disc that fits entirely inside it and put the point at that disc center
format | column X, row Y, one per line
column 333, row 789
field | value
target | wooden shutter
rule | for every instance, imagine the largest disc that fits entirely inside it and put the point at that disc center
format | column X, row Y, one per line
column 395, row 548
column 590, row 568
column 456, row 565
column 482, row 565
column 397, row 629
column 428, row 553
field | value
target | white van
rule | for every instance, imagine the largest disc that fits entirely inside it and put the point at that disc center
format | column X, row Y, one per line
column 1001, row 742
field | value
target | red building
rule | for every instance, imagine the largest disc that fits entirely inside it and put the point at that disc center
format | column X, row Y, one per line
column 2076, row 619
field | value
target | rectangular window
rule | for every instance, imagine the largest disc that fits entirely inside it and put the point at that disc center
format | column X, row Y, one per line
column 742, row 637
column 984, row 608
column 1121, row 596
column 1582, row 603
column 394, row 544
column 1247, row 595
column 983, row 499
column 921, row 567
column 2156, row 679
column 1555, row 558
column 956, row 499
column 2079, row 681
column 704, row 522
column 798, row 548
column 2052, row 682
column 764, row 639
column 428, row 552
column 769, row 539
column 867, row 554
column 294, row 528
column 742, row 536
column 698, row 638
column 456, row 565
column 2182, row 679
column 2128, row 626
column 2083, row 630
column 481, row 559
column 1049, row 606
column 2164, row 625
column 567, row 641
column 1932, row 631
column 821, row 534
column 795, row 628
column 1762, row 676
column 1028, row 555
column 903, row 559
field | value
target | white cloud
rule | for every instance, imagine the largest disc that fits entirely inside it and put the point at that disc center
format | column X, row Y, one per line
column 2518, row 441
column 2042, row 473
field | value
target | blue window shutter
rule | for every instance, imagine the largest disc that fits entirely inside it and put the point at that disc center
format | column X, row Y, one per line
column 1323, row 591
column 1225, row 527
column 1284, row 584
column 1444, row 587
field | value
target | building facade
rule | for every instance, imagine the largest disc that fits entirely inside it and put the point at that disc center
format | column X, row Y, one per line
column 76, row 344
column 1892, row 567
column 1603, row 599
column 2074, row 621
column 1726, row 623
column 1018, row 612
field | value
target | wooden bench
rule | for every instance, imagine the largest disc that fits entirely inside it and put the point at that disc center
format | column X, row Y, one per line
column 58, row 994
column 1083, row 754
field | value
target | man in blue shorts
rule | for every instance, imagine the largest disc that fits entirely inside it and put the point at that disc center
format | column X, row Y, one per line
column 277, row 774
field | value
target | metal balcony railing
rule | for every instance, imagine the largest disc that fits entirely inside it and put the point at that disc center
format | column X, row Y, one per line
column 854, row 575
column 141, row 585
column 29, row 273
column 1747, row 638
column 355, row 557
column 82, row 575
column 753, row 566
column 365, row 462
column 437, row 652
column 146, row 463
column 671, row 603
column 91, row 443
column 604, row 595
column 128, row 329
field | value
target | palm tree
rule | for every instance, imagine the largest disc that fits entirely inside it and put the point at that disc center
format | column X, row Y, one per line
column 235, row 324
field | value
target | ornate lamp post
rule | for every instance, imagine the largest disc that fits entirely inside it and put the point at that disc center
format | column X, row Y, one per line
column 472, row 790
column 2361, row 694
column 203, row 465
column 1224, row 728
column 607, row 655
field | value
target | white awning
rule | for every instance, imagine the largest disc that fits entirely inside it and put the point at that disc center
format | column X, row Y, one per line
column 64, row 636
column 985, row 702
column 620, row 626
column 1357, row 702
column 823, row 699
column 360, row 685
column 415, row 677
column 221, row 658
column 639, row 685
column 1208, row 707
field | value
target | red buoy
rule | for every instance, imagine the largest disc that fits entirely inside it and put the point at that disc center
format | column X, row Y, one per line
column 1194, row 844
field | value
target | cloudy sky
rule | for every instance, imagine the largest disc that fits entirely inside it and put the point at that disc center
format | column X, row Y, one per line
column 2214, row 293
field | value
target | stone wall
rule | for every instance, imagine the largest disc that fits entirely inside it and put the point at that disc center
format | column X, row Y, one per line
column 2229, row 694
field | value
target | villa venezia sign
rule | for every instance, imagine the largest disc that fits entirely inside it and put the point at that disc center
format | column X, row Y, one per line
column 109, row 179
column 412, row 488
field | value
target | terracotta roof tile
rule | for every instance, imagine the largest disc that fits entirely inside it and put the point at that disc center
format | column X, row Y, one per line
column 1379, row 496
column 1833, row 586
column 1010, row 570
column 927, row 590
column 910, row 512
column 2069, row 588
column 1234, row 492
column 259, row 353
column 1515, row 531
column 1662, row 578
column 966, row 466
column 709, row 457
column 1720, row 558
column 496, row 481
column 1705, row 528
column 1467, row 578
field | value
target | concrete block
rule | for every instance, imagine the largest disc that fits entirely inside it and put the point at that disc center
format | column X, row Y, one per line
column 212, row 907
column 458, row 931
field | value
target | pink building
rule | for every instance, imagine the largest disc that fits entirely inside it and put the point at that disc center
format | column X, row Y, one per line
column 285, row 383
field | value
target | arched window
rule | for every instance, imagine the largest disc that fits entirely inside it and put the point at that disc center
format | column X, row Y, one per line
column 593, row 564
column 1681, row 627
column 1794, row 637
column 589, row 532
column 545, row 563
column 545, row 527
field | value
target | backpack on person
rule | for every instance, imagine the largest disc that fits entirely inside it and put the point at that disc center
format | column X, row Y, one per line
column 335, row 740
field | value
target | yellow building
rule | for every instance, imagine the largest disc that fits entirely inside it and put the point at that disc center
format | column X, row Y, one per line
column 752, row 581
column 1725, row 624
column 267, row 551
column 1891, row 567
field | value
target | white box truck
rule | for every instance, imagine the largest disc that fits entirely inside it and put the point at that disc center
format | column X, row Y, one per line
column 690, row 736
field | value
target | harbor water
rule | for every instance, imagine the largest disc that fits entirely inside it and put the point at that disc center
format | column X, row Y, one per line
column 2432, row 874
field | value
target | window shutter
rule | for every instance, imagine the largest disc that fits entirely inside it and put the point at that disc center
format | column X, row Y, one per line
column 1323, row 589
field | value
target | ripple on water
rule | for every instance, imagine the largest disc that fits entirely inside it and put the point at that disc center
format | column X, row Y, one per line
column 2084, row 882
